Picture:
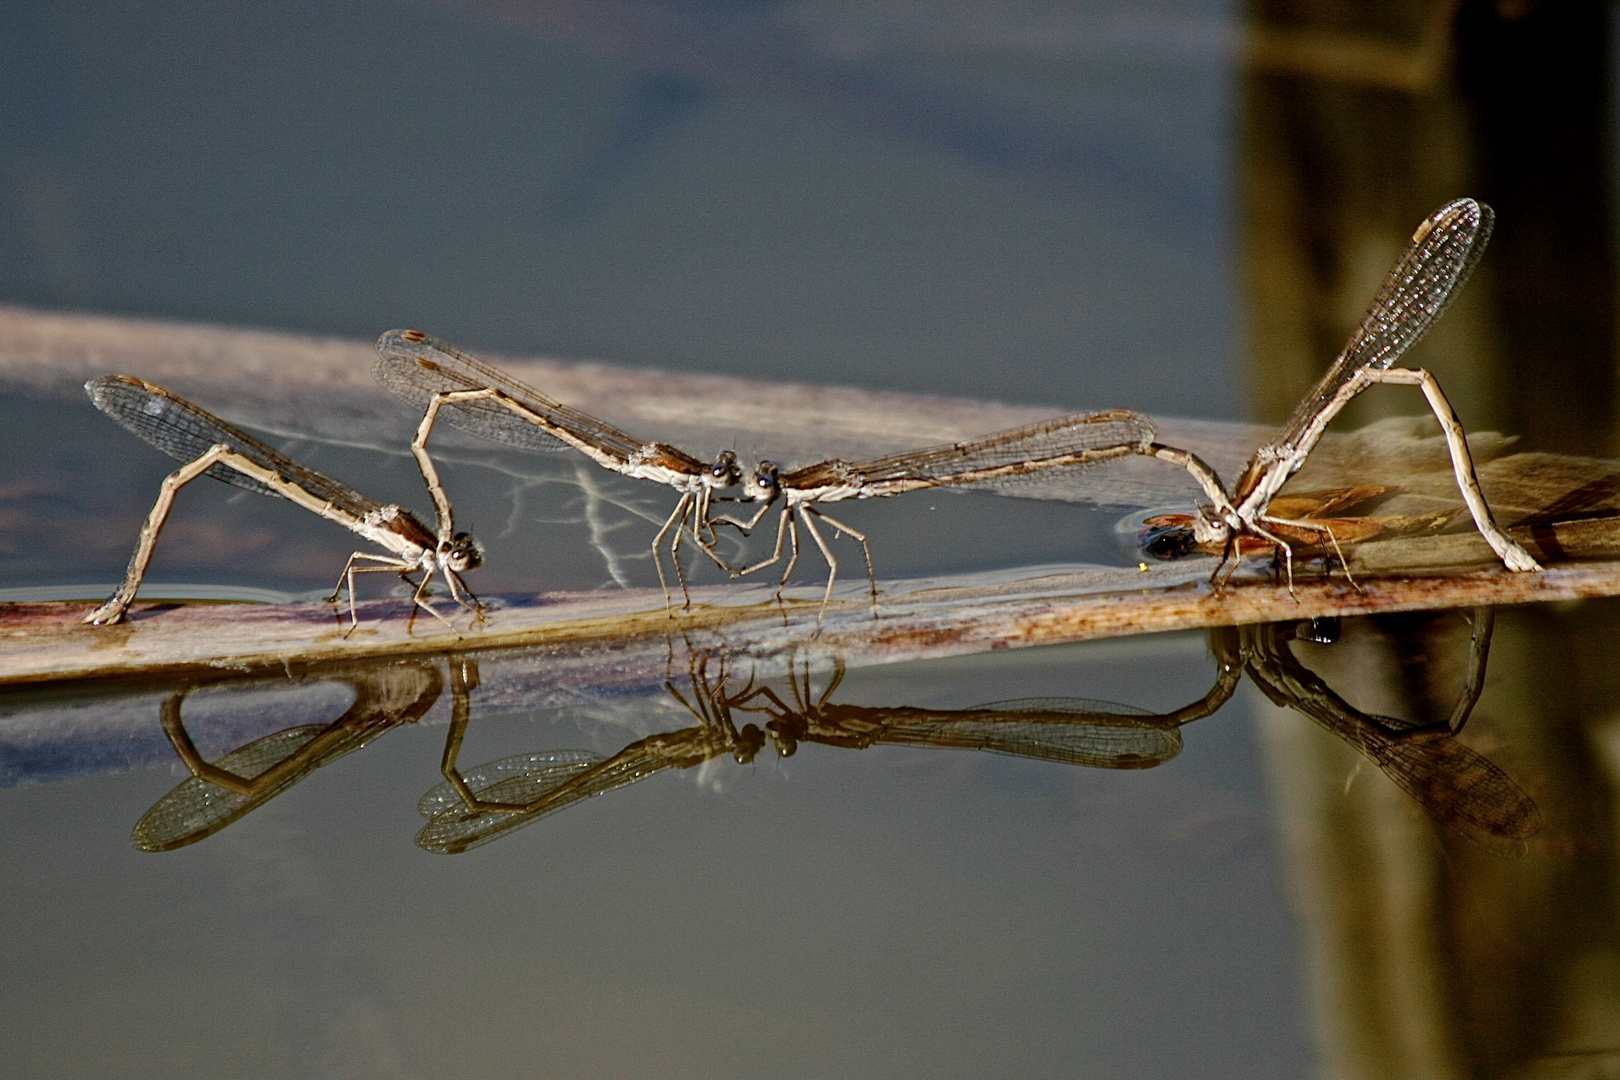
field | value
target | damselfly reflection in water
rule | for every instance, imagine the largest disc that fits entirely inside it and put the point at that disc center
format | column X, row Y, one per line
column 1075, row 731
column 1463, row 791
column 482, row 400
column 386, row 695
column 211, row 447
column 478, row 805
column 1443, row 253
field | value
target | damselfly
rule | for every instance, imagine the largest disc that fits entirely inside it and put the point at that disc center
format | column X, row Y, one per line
column 211, row 447
column 1001, row 460
column 482, row 400
column 1443, row 252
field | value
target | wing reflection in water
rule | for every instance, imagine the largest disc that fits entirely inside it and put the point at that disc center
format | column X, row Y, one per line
column 1462, row 790
column 218, row 793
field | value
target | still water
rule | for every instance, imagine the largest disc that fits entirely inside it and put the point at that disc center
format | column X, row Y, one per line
column 1179, row 208
column 1225, row 854
column 916, row 909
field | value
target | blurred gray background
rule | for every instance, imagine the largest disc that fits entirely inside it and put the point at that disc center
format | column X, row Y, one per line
column 1021, row 201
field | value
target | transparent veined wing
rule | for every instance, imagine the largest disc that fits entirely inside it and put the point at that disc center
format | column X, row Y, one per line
column 196, row 808
column 185, row 432
column 415, row 367
column 1002, row 459
column 1075, row 731
column 1443, row 253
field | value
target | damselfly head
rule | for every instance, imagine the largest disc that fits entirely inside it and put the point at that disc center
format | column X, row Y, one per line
column 766, row 483
column 724, row 472
column 1168, row 540
column 1322, row 631
column 1175, row 536
column 461, row 552
column 1210, row 530
column 750, row 741
column 783, row 738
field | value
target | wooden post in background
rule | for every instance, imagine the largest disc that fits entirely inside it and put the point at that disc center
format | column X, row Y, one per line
column 1428, row 957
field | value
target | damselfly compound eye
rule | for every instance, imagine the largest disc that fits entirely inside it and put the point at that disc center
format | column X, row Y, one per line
column 466, row 553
